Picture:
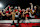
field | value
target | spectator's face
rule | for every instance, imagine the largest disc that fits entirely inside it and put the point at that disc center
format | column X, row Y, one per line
column 18, row 7
column 27, row 9
column 23, row 10
column 15, row 7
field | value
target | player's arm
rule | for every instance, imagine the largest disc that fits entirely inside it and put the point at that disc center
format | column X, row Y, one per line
column 7, row 7
column 2, row 14
column 31, row 6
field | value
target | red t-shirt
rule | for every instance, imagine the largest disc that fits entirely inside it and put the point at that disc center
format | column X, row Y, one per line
column 7, row 11
column 9, row 7
column 16, row 10
column 20, row 11
column 27, row 15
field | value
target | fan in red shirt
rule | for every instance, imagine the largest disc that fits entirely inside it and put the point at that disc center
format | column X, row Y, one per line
column 27, row 13
column 8, row 13
column 19, row 9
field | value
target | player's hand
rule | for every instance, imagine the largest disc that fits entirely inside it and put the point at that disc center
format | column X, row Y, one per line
column 30, row 3
column 11, row 6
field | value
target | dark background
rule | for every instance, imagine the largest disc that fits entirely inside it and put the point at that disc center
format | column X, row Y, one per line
column 21, row 3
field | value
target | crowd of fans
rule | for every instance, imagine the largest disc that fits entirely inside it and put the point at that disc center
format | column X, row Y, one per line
column 19, row 14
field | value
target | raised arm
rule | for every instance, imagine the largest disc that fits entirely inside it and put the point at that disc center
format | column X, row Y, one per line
column 2, row 14
column 31, row 6
column 7, row 7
